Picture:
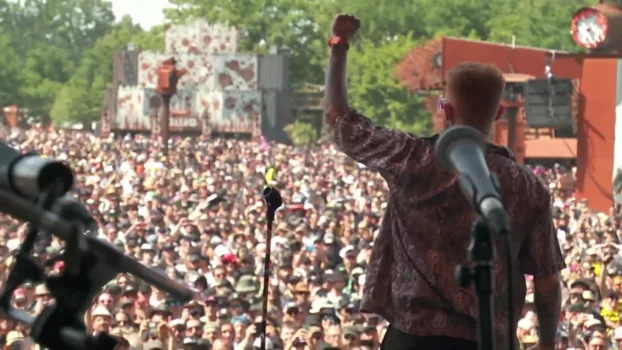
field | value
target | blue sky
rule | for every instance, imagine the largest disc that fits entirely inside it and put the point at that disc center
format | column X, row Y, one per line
column 145, row 12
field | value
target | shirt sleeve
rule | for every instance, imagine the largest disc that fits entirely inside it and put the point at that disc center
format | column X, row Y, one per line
column 384, row 150
column 540, row 254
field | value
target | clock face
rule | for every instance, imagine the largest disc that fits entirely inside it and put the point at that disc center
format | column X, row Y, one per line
column 589, row 28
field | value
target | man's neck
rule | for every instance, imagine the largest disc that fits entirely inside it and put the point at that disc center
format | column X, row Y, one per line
column 486, row 133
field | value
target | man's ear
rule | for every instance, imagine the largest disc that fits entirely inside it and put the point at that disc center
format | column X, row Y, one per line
column 500, row 112
column 448, row 111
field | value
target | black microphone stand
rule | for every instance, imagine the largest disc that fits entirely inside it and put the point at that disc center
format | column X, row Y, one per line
column 273, row 201
column 481, row 254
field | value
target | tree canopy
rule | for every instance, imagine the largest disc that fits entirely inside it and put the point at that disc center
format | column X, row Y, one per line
column 389, row 30
column 58, row 53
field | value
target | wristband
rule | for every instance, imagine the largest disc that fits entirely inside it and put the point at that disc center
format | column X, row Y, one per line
column 338, row 40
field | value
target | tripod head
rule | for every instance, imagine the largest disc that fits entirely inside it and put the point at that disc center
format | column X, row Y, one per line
column 90, row 265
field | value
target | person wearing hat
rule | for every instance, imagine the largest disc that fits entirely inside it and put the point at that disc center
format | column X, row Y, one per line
column 301, row 294
column 159, row 313
column 210, row 310
column 529, row 341
column 101, row 319
column 347, row 309
column 20, row 301
column 369, row 332
column 597, row 341
column 589, row 299
column 125, row 328
column 292, row 313
column 15, row 340
column 338, row 281
column 246, row 285
column 238, row 304
column 351, row 336
column 241, row 324
column 43, row 298
column 154, row 344
column 129, row 293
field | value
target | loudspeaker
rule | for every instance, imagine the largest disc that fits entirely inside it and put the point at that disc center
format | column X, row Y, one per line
column 548, row 103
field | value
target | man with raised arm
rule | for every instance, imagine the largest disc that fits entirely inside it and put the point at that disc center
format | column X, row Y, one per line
column 426, row 227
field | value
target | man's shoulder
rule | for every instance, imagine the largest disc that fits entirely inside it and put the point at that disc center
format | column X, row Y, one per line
column 520, row 185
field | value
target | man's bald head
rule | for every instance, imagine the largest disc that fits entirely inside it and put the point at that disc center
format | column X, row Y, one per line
column 474, row 91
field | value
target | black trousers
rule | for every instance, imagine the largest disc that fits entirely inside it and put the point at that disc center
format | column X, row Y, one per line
column 398, row 340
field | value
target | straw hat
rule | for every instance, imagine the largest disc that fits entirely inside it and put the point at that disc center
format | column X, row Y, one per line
column 14, row 336
column 41, row 289
column 101, row 311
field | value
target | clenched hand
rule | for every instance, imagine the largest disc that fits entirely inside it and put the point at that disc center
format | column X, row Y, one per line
column 346, row 26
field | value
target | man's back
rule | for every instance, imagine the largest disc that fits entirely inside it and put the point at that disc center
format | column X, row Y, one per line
column 426, row 232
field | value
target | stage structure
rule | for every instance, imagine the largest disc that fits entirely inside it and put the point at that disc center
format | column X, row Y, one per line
column 559, row 105
column 223, row 91
column 532, row 113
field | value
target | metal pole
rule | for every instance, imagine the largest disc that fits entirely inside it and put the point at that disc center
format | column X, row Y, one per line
column 512, row 123
column 166, row 114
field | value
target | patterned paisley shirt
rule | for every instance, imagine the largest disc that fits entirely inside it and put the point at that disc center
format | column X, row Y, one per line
column 426, row 231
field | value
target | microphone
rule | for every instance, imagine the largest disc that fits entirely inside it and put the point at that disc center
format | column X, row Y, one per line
column 273, row 201
column 27, row 175
column 461, row 149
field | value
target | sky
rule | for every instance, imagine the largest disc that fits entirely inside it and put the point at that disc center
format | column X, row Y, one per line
column 147, row 13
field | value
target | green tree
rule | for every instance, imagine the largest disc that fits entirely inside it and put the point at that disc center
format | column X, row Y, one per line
column 374, row 90
column 288, row 25
column 10, row 73
column 80, row 100
column 152, row 40
column 381, row 20
column 45, row 71
column 538, row 23
column 73, row 25
column 302, row 133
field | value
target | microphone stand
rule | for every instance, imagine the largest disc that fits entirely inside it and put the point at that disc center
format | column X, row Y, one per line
column 481, row 254
column 273, row 201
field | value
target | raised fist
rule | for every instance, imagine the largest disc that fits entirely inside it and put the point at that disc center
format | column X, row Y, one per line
column 346, row 26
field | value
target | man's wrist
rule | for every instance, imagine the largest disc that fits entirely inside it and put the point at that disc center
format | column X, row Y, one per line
column 339, row 50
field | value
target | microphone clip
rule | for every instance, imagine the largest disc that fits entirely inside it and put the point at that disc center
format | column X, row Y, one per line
column 273, row 200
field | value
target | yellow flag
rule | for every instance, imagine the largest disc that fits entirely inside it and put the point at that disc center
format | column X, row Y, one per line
column 270, row 175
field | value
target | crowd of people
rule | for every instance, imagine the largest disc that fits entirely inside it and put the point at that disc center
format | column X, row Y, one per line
column 195, row 211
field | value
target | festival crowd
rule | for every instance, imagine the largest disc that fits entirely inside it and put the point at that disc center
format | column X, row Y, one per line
column 196, row 212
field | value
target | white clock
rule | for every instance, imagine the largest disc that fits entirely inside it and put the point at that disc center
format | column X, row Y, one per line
column 589, row 28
